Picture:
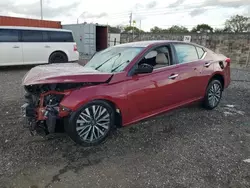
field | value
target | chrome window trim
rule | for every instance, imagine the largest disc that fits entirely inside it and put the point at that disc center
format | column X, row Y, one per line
column 170, row 66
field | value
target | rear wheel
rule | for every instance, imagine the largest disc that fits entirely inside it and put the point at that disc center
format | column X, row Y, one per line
column 213, row 94
column 91, row 124
column 58, row 57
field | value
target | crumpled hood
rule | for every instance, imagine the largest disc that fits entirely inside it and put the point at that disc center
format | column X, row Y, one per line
column 63, row 73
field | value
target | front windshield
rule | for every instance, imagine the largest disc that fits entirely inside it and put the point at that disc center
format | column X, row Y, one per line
column 113, row 59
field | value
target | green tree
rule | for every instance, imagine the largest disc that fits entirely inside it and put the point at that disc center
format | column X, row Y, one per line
column 172, row 29
column 222, row 30
column 218, row 30
column 203, row 28
column 156, row 30
column 177, row 29
column 114, row 29
column 130, row 29
column 237, row 24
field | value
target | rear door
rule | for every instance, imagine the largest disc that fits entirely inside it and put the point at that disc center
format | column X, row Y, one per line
column 190, row 66
column 205, row 68
column 63, row 41
column 10, row 47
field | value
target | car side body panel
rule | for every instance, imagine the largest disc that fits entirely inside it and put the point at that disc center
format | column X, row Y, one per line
column 141, row 96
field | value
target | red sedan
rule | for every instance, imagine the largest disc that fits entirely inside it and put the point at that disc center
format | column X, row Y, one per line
column 122, row 85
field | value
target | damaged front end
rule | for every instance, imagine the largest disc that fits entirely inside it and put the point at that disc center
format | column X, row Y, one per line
column 42, row 109
column 47, row 86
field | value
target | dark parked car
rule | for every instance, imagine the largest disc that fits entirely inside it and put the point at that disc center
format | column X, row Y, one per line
column 122, row 85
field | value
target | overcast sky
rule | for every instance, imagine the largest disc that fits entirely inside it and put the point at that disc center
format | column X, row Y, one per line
column 161, row 13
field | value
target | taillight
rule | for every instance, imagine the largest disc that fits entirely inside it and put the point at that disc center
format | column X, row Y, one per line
column 228, row 61
column 75, row 47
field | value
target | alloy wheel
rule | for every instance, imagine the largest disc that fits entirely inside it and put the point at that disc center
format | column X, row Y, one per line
column 93, row 123
column 214, row 94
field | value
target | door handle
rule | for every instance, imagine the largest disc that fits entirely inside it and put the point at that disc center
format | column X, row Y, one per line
column 207, row 64
column 16, row 47
column 173, row 76
column 47, row 46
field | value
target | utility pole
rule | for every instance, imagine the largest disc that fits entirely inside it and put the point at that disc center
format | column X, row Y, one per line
column 130, row 19
column 133, row 33
column 140, row 31
column 41, row 6
column 133, row 29
column 130, row 22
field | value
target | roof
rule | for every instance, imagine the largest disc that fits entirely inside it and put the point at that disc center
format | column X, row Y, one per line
column 33, row 28
column 79, row 24
column 148, row 43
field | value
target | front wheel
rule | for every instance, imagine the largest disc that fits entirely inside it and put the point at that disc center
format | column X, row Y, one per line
column 213, row 94
column 91, row 124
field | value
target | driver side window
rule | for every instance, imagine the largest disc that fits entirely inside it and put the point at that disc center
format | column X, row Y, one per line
column 158, row 57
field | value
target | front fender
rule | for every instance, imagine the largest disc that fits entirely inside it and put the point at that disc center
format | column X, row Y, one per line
column 79, row 97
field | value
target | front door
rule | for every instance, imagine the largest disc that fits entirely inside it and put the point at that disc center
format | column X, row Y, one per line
column 10, row 48
column 149, row 92
column 152, row 92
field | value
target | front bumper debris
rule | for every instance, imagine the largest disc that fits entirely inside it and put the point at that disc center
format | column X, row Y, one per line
column 28, row 114
column 43, row 112
column 41, row 127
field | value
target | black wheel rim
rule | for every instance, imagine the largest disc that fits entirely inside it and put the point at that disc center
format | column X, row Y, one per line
column 93, row 123
column 214, row 95
column 59, row 59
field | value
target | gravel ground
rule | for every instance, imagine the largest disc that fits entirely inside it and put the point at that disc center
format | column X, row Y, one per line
column 189, row 147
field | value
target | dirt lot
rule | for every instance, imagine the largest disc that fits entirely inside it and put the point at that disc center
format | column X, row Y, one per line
column 189, row 147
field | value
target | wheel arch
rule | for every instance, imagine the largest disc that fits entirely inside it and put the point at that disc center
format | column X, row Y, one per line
column 220, row 77
column 117, row 109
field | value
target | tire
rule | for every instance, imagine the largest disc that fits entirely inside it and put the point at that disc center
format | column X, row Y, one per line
column 58, row 57
column 92, row 131
column 213, row 95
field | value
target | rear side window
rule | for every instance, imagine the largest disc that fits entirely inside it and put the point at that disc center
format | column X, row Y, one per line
column 32, row 36
column 9, row 35
column 200, row 52
column 186, row 53
column 59, row 36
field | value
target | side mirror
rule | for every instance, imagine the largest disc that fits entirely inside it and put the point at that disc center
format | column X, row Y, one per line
column 144, row 68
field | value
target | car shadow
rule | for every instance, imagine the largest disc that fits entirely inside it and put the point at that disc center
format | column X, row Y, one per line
column 16, row 68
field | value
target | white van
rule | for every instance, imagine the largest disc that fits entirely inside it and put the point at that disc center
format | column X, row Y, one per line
column 30, row 45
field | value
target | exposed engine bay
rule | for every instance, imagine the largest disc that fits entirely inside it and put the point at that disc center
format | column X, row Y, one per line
column 42, row 88
column 42, row 108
